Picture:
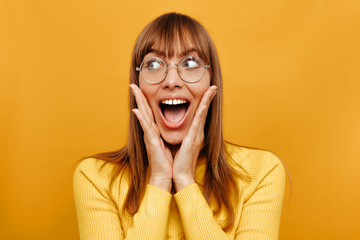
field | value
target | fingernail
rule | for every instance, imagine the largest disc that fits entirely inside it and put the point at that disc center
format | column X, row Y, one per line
column 215, row 90
column 131, row 89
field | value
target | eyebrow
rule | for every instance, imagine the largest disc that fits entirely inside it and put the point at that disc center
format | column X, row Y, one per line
column 162, row 54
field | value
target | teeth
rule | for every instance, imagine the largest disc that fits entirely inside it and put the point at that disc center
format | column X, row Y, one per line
column 173, row 101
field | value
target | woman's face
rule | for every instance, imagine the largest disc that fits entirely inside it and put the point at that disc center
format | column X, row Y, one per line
column 174, row 118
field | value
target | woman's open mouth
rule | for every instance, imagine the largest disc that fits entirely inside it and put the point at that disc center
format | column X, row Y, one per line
column 174, row 112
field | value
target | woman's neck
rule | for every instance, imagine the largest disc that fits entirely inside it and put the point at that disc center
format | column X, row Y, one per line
column 173, row 148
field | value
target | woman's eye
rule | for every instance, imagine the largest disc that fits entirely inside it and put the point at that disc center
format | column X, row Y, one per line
column 153, row 65
column 191, row 63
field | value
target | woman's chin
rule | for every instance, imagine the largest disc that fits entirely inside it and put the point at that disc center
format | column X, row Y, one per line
column 173, row 140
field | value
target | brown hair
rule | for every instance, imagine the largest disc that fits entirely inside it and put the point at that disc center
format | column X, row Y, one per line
column 168, row 32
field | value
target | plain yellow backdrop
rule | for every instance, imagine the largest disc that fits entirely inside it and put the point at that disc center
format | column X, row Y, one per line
column 291, row 85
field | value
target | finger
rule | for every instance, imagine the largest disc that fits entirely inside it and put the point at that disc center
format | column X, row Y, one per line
column 208, row 96
column 140, row 99
column 200, row 116
column 200, row 129
column 196, row 123
column 142, row 103
column 143, row 122
column 201, row 112
column 206, row 100
column 147, row 106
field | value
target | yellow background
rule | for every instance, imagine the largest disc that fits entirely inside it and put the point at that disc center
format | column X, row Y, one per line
column 291, row 85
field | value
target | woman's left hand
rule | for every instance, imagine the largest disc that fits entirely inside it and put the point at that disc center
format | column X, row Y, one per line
column 186, row 157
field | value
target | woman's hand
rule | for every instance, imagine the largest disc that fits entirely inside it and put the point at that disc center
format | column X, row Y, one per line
column 159, row 156
column 186, row 157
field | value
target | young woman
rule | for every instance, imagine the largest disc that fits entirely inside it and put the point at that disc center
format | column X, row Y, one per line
column 176, row 178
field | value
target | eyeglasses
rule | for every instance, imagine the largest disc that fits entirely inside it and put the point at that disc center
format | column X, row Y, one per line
column 191, row 69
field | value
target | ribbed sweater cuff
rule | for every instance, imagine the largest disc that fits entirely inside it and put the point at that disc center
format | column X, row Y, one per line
column 189, row 195
column 157, row 202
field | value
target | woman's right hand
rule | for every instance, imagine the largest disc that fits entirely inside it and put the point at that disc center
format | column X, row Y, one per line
column 159, row 156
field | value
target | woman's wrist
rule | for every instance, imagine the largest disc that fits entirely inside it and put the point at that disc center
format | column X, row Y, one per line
column 181, row 182
column 161, row 182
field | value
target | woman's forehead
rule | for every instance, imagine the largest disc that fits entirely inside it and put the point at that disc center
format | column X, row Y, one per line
column 179, row 44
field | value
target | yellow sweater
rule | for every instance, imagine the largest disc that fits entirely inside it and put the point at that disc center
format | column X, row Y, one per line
column 185, row 214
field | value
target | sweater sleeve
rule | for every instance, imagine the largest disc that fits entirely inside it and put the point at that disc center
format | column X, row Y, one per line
column 196, row 215
column 98, row 215
column 261, row 213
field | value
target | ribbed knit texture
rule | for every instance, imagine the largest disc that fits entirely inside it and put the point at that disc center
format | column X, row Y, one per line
column 186, row 214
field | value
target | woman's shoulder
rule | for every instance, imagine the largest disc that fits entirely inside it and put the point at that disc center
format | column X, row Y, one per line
column 251, row 157
column 101, row 173
column 257, row 164
column 95, row 168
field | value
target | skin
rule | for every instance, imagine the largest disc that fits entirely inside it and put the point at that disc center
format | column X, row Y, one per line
column 173, row 153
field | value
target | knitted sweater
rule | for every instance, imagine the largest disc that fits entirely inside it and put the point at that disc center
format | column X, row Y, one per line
column 185, row 214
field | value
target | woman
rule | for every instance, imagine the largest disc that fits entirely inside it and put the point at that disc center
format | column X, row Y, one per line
column 176, row 178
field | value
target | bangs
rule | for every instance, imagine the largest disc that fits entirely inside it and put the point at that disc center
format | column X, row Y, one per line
column 173, row 35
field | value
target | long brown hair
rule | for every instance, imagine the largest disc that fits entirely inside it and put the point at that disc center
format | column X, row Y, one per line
column 220, row 185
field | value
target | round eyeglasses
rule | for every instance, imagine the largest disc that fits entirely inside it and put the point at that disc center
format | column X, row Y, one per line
column 191, row 69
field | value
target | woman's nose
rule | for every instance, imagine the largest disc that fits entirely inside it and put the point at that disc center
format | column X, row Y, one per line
column 172, row 79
